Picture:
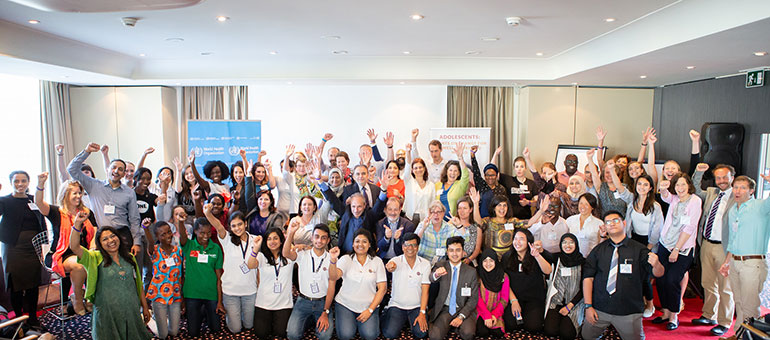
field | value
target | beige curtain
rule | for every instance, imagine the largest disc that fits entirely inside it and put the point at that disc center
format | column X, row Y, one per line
column 213, row 103
column 56, row 125
column 481, row 106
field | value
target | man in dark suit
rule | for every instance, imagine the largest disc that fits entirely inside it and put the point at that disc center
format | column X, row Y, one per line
column 458, row 294
column 391, row 231
column 355, row 214
column 361, row 185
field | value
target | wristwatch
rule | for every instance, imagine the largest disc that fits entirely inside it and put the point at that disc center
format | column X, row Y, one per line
column 326, row 311
column 423, row 311
column 371, row 311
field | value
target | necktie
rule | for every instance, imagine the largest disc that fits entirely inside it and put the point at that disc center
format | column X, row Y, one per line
column 713, row 215
column 612, row 278
column 366, row 197
column 453, row 292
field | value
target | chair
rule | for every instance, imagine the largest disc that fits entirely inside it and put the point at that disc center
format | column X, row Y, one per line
column 42, row 247
column 18, row 322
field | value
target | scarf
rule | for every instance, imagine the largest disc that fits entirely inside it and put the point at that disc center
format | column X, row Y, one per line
column 576, row 195
column 573, row 259
column 492, row 280
column 338, row 189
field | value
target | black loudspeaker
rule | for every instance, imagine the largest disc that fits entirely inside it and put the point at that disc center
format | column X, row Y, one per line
column 722, row 143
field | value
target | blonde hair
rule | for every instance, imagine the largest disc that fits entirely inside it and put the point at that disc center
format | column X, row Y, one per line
column 436, row 204
column 64, row 194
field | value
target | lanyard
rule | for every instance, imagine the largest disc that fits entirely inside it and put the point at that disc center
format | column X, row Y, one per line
column 315, row 270
column 277, row 269
column 244, row 249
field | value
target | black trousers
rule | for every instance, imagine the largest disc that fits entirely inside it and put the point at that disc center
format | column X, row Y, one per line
column 669, row 287
column 483, row 331
column 271, row 323
column 557, row 325
column 24, row 301
column 647, row 284
column 532, row 313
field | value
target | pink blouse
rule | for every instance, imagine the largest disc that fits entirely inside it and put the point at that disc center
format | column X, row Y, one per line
column 497, row 306
column 688, row 220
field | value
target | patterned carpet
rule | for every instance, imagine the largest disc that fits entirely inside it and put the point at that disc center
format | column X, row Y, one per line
column 80, row 329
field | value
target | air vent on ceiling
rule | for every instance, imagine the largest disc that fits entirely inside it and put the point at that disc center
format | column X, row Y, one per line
column 105, row 5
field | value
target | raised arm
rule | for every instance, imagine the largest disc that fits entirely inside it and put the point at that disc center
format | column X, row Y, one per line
column 271, row 182
column 475, row 198
column 615, row 179
column 253, row 262
column 178, row 175
column 321, row 147
column 144, row 157
column 653, row 171
column 334, row 272
column 697, row 177
column 595, row 179
column 459, row 149
column 388, row 139
column 496, row 155
column 601, row 134
column 106, row 157
column 204, row 184
column 60, row 163
column 287, row 250
column 289, row 151
column 694, row 150
column 478, row 178
column 40, row 192
column 77, row 228
column 544, row 204
column 221, row 231
column 643, row 148
column 528, row 160
column 183, row 238
column 73, row 169
column 414, row 152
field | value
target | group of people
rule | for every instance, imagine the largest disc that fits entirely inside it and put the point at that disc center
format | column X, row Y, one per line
column 428, row 244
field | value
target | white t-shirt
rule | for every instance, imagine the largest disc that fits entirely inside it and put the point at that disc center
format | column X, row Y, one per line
column 550, row 234
column 641, row 223
column 222, row 189
column 313, row 273
column 407, row 282
column 274, row 292
column 359, row 282
column 588, row 237
column 417, row 200
column 237, row 278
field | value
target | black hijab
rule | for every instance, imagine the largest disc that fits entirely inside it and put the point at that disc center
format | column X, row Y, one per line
column 574, row 259
column 493, row 281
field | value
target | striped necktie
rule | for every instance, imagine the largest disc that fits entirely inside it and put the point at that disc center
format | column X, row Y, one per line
column 712, row 216
column 612, row 279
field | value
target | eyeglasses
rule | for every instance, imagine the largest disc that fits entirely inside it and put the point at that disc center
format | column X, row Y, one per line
column 410, row 245
column 437, row 212
column 613, row 221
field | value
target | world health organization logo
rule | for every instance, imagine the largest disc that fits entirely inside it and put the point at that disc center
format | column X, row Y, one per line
column 198, row 151
column 234, row 150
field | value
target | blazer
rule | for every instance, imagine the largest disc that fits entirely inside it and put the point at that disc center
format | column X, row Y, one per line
column 10, row 220
column 351, row 189
column 250, row 209
column 371, row 215
column 708, row 196
column 465, row 278
column 383, row 244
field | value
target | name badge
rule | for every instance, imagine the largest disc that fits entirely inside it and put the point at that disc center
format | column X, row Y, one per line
column 109, row 209
column 441, row 252
column 684, row 220
column 264, row 188
column 32, row 206
column 314, row 288
column 203, row 258
column 617, row 195
column 244, row 268
column 439, row 192
column 625, row 268
column 277, row 287
column 523, row 188
column 565, row 271
column 509, row 226
column 514, row 191
column 520, row 268
column 170, row 262
column 466, row 291
column 552, row 236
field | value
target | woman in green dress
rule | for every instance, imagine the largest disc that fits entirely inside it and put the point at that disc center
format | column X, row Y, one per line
column 113, row 286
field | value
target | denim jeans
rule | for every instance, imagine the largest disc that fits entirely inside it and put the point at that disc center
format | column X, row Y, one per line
column 195, row 310
column 167, row 318
column 346, row 324
column 240, row 311
column 305, row 309
column 393, row 319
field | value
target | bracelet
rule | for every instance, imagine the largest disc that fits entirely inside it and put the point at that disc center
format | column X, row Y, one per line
column 78, row 230
column 588, row 305
column 334, row 263
column 324, row 140
column 644, row 144
column 568, row 310
column 253, row 254
column 40, row 189
column 514, row 300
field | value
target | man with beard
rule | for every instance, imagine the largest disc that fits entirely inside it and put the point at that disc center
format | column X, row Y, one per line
column 547, row 225
column 570, row 169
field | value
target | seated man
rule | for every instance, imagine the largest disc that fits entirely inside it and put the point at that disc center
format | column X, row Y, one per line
column 409, row 297
column 391, row 231
column 455, row 305
column 355, row 215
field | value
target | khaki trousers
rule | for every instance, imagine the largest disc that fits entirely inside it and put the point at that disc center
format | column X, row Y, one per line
column 718, row 301
column 746, row 279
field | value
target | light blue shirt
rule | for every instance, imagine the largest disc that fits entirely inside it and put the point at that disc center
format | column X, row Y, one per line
column 102, row 194
column 749, row 225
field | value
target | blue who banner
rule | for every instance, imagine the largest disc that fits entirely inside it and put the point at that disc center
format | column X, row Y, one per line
column 222, row 140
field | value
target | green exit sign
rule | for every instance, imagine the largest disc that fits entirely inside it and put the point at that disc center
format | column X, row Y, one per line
column 755, row 78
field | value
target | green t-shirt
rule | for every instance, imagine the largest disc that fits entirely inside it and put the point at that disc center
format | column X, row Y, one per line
column 200, row 265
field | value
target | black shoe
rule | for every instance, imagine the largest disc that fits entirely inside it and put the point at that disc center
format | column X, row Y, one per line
column 672, row 326
column 702, row 321
column 719, row 330
column 659, row 320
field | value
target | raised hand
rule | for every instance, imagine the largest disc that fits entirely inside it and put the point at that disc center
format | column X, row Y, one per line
column 391, row 266
column 388, row 139
column 415, row 133
column 702, row 167
column 257, row 243
column 388, row 232
column 149, row 150
column 80, row 218
column 177, row 164
column 249, row 164
column 600, row 133
column 459, row 148
column 92, row 147
column 59, row 149
column 146, row 222
column 242, row 153
column 372, row 136
column 191, row 157
column 499, row 150
column 164, row 177
column 397, row 235
column 105, row 149
column 441, row 271
column 207, row 208
column 526, row 153
column 534, row 251
column 545, row 204
column 765, row 177
column 652, row 138
column 474, row 148
column 309, row 151
column 474, row 194
column 646, row 135
column 290, row 150
column 328, row 136
column 590, row 154
column 42, row 178
column 664, row 185
column 694, row 135
column 262, row 153
column 334, row 253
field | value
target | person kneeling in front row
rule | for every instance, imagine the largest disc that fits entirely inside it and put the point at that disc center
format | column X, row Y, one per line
column 409, row 297
column 458, row 294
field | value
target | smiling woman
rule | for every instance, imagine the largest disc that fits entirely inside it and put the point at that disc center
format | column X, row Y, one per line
column 21, row 110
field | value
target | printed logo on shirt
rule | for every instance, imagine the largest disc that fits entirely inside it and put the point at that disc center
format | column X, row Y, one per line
column 193, row 253
column 143, row 206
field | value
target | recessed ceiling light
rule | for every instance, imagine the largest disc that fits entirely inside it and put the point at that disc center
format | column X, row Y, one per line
column 574, row 83
column 643, row 77
column 289, row 83
column 690, row 67
column 472, row 52
column 175, row 40
column 760, row 54
column 177, row 83
column 34, row 22
column 340, row 52
column 539, row 54
column 207, row 53
column 273, row 52
column 407, row 52
column 331, row 37
column 222, row 18
column 490, row 38
column 609, row 19
column 402, row 82
column 142, row 55
column 417, row 17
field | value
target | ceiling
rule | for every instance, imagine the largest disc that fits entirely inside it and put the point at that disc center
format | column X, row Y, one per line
column 654, row 38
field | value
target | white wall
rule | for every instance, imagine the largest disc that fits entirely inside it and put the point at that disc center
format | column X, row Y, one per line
column 20, row 139
column 299, row 114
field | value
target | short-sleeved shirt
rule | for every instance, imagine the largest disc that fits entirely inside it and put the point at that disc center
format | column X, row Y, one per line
column 166, row 284
column 359, row 282
column 627, row 298
column 200, row 265
column 431, row 241
column 528, row 284
column 146, row 205
column 749, row 226
column 550, row 233
column 237, row 278
column 588, row 236
column 406, row 292
column 499, row 236
column 274, row 291
column 313, row 273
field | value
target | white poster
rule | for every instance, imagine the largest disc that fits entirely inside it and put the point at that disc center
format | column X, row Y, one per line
column 449, row 137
